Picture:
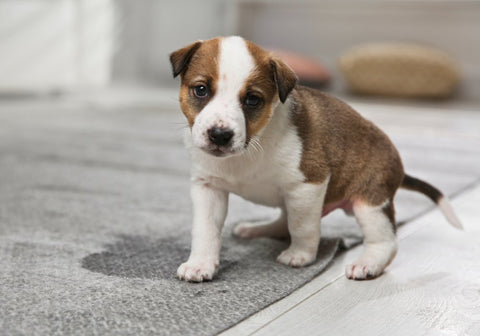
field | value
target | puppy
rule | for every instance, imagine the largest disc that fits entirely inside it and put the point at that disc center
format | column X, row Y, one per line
column 256, row 133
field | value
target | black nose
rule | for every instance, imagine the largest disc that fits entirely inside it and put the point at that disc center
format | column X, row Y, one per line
column 220, row 136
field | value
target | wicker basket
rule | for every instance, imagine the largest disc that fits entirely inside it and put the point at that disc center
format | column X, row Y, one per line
column 399, row 69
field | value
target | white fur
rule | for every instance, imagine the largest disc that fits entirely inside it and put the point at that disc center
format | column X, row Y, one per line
column 263, row 170
column 209, row 212
column 448, row 212
column 235, row 63
column 380, row 245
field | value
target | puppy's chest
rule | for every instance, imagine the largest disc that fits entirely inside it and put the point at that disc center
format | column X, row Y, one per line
column 258, row 187
column 262, row 177
column 259, row 179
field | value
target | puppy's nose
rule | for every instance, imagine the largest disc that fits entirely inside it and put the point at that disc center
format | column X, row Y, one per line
column 220, row 136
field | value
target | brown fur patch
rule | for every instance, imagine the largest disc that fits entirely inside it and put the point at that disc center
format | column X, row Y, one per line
column 260, row 83
column 284, row 77
column 181, row 58
column 360, row 159
column 265, row 81
column 412, row 183
column 202, row 69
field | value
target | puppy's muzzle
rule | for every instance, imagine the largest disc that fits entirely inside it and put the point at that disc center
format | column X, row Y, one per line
column 220, row 137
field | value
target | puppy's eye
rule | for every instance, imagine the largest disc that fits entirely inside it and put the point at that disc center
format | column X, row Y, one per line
column 252, row 100
column 200, row 91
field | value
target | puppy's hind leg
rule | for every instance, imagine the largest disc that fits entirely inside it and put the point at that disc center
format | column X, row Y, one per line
column 275, row 229
column 380, row 246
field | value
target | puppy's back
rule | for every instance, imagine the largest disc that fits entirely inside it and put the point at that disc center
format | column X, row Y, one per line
column 338, row 142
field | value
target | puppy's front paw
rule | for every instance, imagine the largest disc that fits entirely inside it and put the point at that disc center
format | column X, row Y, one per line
column 197, row 270
column 296, row 257
column 360, row 271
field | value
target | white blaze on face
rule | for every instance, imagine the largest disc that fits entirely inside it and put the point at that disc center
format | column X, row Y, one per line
column 235, row 63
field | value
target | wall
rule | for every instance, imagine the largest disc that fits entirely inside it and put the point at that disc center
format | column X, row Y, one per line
column 49, row 45
column 152, row 29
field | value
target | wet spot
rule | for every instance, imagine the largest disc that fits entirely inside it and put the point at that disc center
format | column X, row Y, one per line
column 139, row 257
column 145, row 258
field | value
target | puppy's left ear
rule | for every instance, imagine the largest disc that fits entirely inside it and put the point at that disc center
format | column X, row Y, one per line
column 180, row 58
column 284, row 77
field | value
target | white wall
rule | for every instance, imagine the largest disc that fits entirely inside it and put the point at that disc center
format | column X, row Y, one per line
column 50, row 45
column 152, row 29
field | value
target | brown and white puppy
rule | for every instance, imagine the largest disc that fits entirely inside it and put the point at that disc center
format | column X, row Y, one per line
column 255, row 133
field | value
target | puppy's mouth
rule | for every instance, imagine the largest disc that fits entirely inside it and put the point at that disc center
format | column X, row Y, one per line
column 219, row 151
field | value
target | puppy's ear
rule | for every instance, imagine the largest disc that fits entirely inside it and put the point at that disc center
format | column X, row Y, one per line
column 182, row 57
column 284, row 77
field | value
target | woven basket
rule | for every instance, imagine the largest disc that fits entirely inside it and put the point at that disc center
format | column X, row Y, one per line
column 399, row 69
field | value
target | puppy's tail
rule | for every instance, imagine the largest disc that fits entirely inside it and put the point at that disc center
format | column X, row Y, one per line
column 412, row 183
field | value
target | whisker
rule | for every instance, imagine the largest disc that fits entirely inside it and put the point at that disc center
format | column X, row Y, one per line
column 256, row 145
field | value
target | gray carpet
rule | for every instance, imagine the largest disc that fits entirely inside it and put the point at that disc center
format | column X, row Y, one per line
column 95, row 218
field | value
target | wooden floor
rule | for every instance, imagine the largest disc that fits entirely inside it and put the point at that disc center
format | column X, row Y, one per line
column 431, row 288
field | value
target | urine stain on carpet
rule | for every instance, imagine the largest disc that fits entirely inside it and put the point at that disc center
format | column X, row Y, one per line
column 143, row 257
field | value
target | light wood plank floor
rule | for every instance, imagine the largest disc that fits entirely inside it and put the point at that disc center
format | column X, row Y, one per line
column 431, row 288
column 433, row 285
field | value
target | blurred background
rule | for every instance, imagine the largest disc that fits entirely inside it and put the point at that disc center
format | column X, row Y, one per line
column 57, row 47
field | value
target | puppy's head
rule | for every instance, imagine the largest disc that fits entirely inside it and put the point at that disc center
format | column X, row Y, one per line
column 229, row 89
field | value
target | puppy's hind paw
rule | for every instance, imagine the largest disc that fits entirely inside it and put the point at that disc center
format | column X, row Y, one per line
column 363, row 271
column 276, row 229
column 245, row 230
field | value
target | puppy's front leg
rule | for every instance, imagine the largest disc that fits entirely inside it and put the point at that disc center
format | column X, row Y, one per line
column 209, row 212
column 304, row 204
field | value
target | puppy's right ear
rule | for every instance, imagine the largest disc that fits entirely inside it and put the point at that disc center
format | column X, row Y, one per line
column 180, row 58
